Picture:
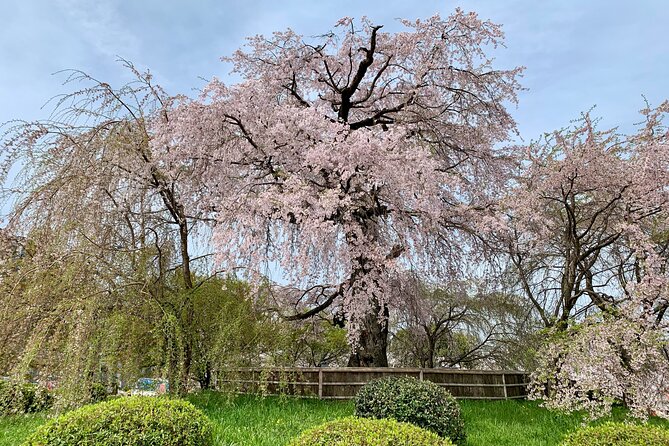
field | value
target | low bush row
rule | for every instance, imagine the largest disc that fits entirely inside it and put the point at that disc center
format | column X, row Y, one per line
column 353, row 431
column 130, row 421
column 18, row 397
column 619, row 434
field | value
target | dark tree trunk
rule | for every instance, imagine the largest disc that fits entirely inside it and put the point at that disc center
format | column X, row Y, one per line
column 372, row 350
column 188, row 303
column 206, row 377
column 178, row 214
column 431, row 351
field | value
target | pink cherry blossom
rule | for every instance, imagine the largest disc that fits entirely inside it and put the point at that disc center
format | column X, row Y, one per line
column 344, row 159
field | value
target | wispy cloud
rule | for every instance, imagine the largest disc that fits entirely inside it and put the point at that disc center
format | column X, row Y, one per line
column 101, row 24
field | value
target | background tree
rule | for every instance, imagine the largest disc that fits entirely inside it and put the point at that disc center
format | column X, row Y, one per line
column 459, row 325
column 594, row 266
column 573, row 219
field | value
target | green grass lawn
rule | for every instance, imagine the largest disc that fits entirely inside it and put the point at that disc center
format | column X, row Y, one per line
column 14, row 429
column 272, row 421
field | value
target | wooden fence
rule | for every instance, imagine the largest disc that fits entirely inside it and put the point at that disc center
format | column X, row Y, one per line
column 343, row 383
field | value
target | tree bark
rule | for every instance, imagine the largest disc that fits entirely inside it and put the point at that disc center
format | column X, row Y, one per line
column 431, row 351
column 372, row 349
column 189, row 310
column 205, row 377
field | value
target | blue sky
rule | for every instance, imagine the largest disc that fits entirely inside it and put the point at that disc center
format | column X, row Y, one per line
column 578, row 54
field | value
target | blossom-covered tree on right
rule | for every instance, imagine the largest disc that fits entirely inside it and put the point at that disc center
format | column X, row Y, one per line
column 587, row 236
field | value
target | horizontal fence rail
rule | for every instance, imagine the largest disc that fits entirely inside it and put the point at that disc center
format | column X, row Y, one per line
column 344, row 383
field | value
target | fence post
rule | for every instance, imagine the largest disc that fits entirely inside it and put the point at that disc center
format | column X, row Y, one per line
column 506, row 397
column 421, row 374
column 320, row 383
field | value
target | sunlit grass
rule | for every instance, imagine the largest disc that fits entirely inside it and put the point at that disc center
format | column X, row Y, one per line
column 14, row 429
column 272, row 421
column 265, row 422
column 522, row 423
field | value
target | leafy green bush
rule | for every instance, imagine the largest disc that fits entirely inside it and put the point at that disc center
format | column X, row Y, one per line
column 18, row 397
column 352, row 431
column 618, row 434
column 422, row 403
column 131, row 421
column 98, row 392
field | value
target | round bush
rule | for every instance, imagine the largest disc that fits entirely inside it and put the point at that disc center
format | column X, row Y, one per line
column 618, row 434
column 364, row 432
column 131, row 421
column 422, row 403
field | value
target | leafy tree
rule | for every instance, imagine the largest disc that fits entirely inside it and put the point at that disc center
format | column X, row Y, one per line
column 459, row 325
column 108, row 223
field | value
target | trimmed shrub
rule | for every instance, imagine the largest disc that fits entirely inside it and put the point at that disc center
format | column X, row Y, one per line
column 618, row 434
column 18, row 397
column 98, row 392
column 422, row 403
column 352, row 431
column 131, row 421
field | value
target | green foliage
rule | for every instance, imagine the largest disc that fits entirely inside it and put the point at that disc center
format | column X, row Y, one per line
column 422, row 403
column 18, row 397
column 315, row 343
column 98, row 392
column 363, row 431
column 618, row 434
column 224, row 328
column 231, row 329
column 136, row 421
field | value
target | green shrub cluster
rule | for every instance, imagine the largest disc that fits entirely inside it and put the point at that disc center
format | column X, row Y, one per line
column 18, row 397
column 618, row 434
column 131, row 421
column 352, row 431
column 98, row 392
column 422, row 403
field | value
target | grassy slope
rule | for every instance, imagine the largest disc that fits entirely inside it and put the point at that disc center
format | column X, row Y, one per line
column 248, row 421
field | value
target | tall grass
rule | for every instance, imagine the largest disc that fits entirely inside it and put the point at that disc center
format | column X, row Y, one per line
column 270, row 421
